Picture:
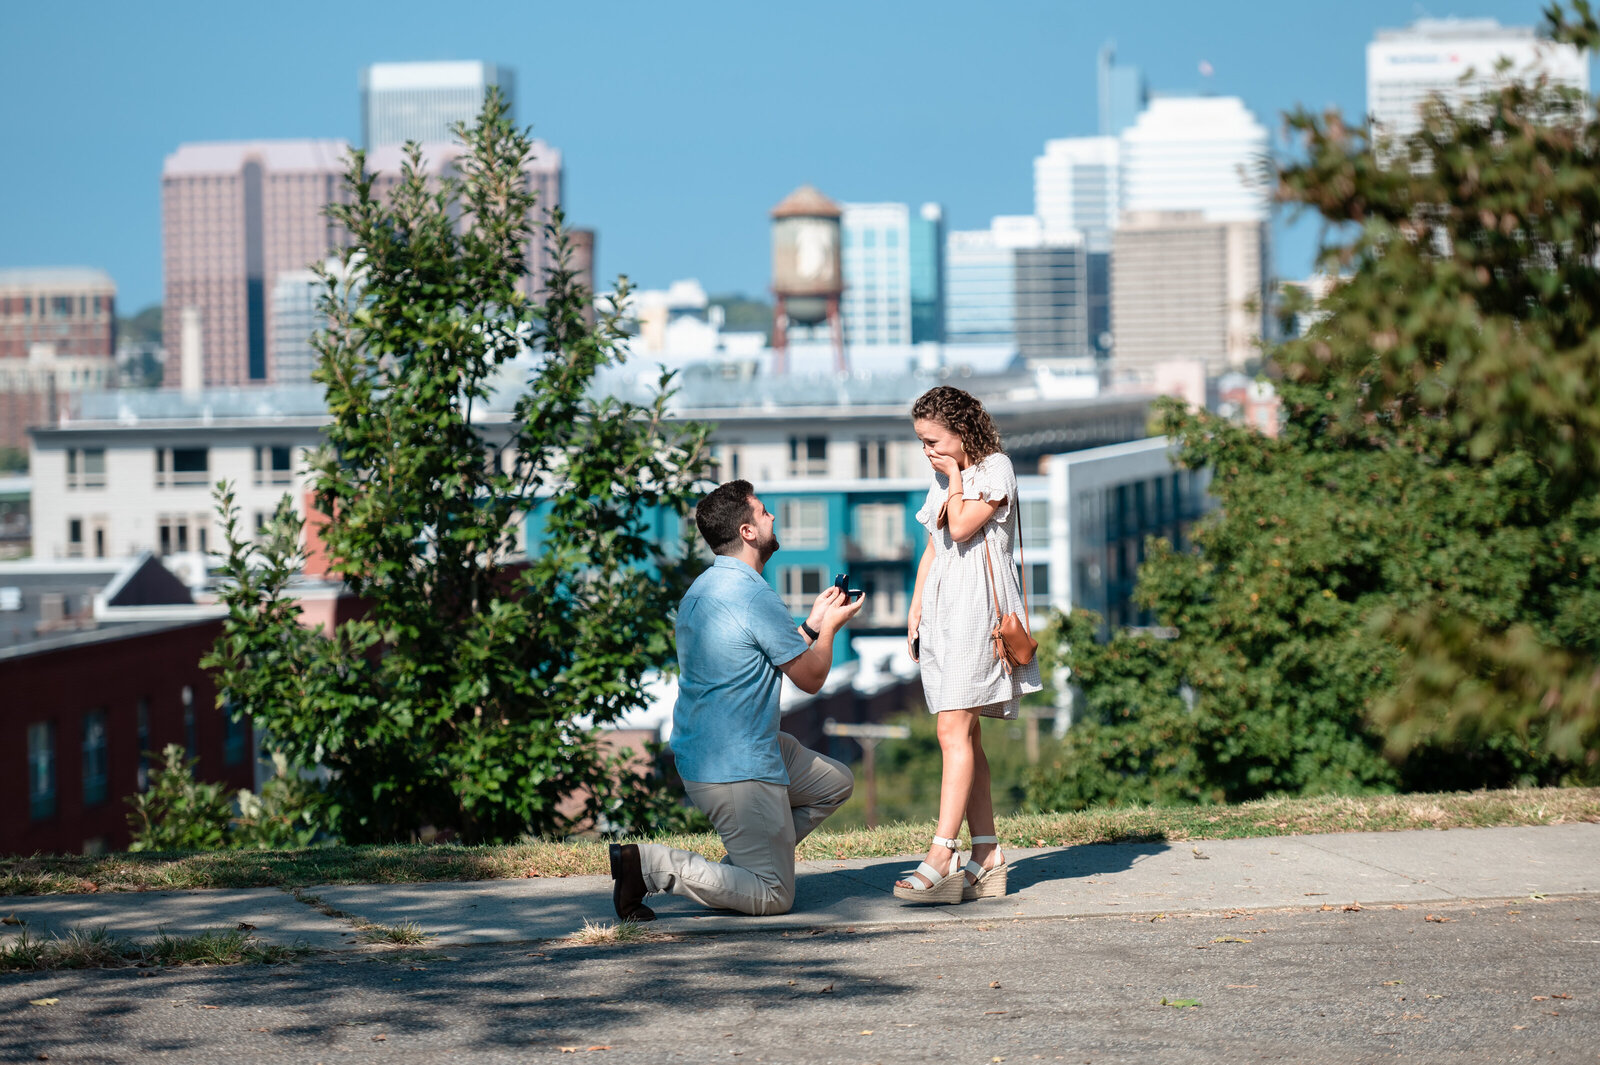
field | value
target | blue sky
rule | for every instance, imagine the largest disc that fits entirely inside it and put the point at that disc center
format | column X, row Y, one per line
column 681, row 124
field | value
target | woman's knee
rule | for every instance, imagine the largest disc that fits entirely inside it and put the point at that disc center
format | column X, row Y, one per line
column 955, row 730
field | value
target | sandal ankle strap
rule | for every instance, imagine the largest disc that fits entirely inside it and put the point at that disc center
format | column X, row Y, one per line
column 948, row 844
column 985, row 839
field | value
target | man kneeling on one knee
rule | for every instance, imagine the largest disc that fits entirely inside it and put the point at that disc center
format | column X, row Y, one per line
column 763, row 791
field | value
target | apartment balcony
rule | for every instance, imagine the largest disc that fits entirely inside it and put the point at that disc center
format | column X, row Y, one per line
column 877, row 550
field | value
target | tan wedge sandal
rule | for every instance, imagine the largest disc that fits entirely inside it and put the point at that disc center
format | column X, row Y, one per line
column 986, row 883
column 934, row 887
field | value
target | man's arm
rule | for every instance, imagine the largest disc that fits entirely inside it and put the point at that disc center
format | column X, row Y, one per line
column 810, row 670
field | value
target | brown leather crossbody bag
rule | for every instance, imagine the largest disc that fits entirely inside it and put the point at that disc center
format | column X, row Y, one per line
column 1013, row 640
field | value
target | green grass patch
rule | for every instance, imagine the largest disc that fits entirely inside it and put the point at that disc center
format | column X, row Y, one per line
column 99, row 949
column 414, row 863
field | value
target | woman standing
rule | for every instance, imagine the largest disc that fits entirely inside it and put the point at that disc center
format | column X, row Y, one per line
column 952, row 618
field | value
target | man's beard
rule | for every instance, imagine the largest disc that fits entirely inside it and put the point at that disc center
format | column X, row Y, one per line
column 768, row 547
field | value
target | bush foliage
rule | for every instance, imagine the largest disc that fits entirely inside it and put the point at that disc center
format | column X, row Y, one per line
column 1398, row 592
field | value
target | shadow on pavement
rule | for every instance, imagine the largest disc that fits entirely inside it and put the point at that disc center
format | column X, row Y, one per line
column 487, row 997
column 1089, row 859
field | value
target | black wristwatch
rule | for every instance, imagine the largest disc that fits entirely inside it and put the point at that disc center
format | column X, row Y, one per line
column 813, row 634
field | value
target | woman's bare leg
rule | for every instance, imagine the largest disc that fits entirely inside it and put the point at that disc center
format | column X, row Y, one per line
column 980, row 803
column 955, row 783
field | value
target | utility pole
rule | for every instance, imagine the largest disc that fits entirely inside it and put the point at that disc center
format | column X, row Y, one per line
column 868, row 736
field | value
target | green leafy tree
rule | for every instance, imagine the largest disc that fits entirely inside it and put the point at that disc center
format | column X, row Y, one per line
column 1399, row 591
column 176, row 812
column 468, row 695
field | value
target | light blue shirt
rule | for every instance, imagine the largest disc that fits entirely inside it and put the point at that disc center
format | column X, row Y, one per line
column 733, row 634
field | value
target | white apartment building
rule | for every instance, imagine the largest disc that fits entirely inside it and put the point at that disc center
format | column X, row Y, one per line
column 421, row 101
column 1075, row 188
column 132, row 471
column 876, row 243
column 1433, row 56
column 1197, row 153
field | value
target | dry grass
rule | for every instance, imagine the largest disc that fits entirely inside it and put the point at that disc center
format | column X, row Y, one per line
column 406, row 933
column 595, row 934
column 98, row 949
column 411, row 863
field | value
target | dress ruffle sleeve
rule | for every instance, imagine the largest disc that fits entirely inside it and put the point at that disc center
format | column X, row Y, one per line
column 992, row 480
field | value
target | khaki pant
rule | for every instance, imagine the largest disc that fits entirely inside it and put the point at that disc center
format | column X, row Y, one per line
column 760, row 824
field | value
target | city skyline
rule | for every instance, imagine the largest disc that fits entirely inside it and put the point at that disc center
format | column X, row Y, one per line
column 678, row 132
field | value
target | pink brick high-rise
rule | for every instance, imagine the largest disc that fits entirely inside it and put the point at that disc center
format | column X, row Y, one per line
column 233, row 217
column 237, row 215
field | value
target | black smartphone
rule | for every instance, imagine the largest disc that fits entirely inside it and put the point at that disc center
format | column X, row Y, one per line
column 842, row 582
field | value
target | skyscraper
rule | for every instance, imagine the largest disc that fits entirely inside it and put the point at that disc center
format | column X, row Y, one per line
column 927, row 275
column 981, row 276
column 1405, row 67
column 542, row 176
column 1075, row 185
column 421, row 101
column 1197, row 153
column 1051, row 292
column 1184, row 287
column 876, row 241
column 234, row 216
column 1123, row 93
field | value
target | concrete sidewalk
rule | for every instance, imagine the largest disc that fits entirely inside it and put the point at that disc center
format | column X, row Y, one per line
column 1264, row 873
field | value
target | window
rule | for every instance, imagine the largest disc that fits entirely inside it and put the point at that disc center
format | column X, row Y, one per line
column 142, row 735
column 235, row 736
column 74, row 537
column 41, row 770
column 800, row 586
column 803, row 523
column 1035, row 522
column 872, row 459
column 881, row 531
column 86, row 468
column 1038, row 587
column 808, row 456
column 191, row 743
column 274, row 465
column 182, row 466
column 94, row 757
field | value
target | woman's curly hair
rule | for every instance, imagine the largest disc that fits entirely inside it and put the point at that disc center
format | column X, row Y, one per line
column 963, row 414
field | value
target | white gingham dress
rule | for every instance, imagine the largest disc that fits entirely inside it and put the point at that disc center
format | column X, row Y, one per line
column 959, row 669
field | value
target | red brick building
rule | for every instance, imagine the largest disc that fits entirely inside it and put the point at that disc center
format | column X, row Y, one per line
column 58, row 335
column 99, row 663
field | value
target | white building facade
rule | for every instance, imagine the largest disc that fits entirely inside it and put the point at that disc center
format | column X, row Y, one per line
column 876, row 306
column 1434, row 56
column 1197, row 153
column 1075, row 188
column 421, row 101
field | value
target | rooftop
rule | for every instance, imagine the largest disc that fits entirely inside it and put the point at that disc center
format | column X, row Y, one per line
column 56, row 277
column 1456, row 29
column 46, row 605
column 460, row 74
column 228, row 157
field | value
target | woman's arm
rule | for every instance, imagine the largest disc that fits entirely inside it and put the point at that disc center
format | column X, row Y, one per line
column 915, row 620
column 966, row 516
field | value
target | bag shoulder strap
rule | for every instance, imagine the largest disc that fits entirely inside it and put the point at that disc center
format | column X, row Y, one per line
column 988, row 563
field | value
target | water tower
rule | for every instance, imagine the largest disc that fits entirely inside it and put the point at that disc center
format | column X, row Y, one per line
column 807, row 275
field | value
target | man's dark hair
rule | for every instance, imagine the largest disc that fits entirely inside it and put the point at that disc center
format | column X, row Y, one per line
column 720, row 514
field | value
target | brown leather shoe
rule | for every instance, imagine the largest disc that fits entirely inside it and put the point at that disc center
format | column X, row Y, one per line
column 627, row 884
